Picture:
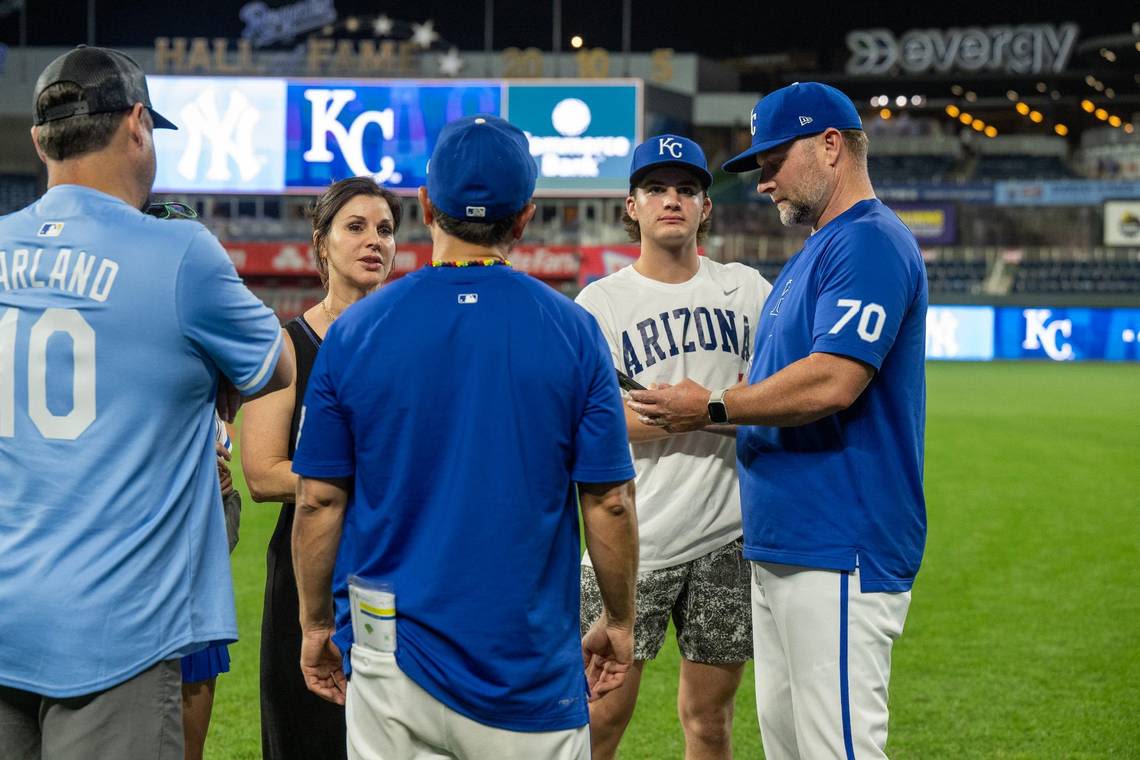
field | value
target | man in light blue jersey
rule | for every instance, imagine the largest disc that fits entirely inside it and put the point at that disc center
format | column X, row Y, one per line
column 448, row 418
column 116, row 330
column 830, row 434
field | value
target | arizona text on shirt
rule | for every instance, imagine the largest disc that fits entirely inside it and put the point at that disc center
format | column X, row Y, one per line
column 64, row 269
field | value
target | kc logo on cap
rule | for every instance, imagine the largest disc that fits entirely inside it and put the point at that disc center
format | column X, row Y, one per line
column 669, row 144
column 669, row 150
column 781, row 117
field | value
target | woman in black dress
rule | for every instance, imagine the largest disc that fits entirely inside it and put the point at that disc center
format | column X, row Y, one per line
column 354, row 228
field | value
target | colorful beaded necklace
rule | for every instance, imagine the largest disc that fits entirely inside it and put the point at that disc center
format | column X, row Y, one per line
column 488, row 262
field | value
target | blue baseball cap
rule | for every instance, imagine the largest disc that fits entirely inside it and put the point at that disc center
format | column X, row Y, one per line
column 792, row 112
column 669, row 150
column 481, row 169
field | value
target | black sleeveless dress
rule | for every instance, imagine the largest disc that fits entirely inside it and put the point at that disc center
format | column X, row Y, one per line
column 295, row 723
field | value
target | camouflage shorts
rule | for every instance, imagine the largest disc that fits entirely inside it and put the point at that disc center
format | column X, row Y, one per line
column 708, row 599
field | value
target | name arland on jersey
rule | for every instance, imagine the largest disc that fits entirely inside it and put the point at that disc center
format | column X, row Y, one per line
column 686, row 330
column 69, row 271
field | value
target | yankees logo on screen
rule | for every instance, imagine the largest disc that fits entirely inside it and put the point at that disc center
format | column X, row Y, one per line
column 685, row 330
column 669, row 144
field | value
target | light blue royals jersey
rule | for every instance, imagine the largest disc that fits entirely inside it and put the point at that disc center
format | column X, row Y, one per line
column 845, row 490
column 114, row 327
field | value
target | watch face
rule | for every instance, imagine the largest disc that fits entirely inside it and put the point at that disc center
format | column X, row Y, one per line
column 717, row 412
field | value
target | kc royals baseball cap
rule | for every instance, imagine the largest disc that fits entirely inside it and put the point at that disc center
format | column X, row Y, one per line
column 792, row 112
column 669, row 150
column 110, row 80
column 481, row 169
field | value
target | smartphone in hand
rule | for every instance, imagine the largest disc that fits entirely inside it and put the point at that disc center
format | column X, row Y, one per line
column 627, row 383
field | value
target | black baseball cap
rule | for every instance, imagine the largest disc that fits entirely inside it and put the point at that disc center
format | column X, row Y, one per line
column 110, row 80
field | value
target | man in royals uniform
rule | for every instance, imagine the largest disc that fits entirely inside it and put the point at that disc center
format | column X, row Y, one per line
column 831, row 439
column 675, row 314
column 116, row 329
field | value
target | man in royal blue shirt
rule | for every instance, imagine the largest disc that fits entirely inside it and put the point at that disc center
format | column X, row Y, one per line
column 447, row 420
column 830, row 443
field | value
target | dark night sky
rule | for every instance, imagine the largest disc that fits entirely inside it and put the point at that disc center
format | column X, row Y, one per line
column 733, row 29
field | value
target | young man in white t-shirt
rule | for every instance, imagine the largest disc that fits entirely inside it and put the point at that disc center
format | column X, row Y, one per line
column 675, row 314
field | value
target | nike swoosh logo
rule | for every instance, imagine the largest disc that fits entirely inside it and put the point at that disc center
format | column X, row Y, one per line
column 730, row 291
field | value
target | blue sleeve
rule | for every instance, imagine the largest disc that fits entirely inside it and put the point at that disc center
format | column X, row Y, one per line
column 223, row 319
column 865, row 287
column 324, row 440
column 601, row 445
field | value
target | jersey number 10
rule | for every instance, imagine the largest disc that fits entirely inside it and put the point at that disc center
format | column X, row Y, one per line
column 65, row 427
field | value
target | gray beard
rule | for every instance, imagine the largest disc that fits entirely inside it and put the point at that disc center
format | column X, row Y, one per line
column 793, row 214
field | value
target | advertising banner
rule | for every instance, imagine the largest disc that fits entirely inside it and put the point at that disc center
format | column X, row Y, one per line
column 230, row 136
column 1122, row 223
column 275, row 135
column 1065, row 192
column 931, row 223
column 546, row 262
column 943, row 193
column 581, row 135
column 387, row 131
column 963, row 333
column 1067, row 334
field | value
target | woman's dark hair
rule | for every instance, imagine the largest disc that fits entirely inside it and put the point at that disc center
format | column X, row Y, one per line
column 325, row 208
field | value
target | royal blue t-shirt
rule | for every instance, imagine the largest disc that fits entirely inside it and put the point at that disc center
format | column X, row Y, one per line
column 465, row 403
column 846, row 490
column 114, row 329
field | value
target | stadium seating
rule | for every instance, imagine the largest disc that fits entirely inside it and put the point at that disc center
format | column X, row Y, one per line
column 1103, row 277
column 993, row 168
column 904, row 169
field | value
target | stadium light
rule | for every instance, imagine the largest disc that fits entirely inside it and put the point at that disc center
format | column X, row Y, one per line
column 956, row 89
column 885, row 113
column 952, row 111
column 1090, row 80
column 576, row 41
column 1088, row 106
column 900, row 101
column 1042, row 87
column 917, row 100
column 1109, row 92
column 1114, row 121
column 990, row 131
column 1022, row 109
column 1036, row 117
column 965, row 118
column 1011, row 94
column 1061, row 129
column 1099, row 86
column 1128, row 129
column 978, row 125
column 1101, row 114
column 971, row 96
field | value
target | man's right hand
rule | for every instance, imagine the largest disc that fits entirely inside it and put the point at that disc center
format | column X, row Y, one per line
column 607, row 655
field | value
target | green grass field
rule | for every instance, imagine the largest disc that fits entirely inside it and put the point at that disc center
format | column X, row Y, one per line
column 1023, row 638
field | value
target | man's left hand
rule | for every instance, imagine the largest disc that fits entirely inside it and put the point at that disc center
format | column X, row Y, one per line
column 680, row 408
column 322, row 666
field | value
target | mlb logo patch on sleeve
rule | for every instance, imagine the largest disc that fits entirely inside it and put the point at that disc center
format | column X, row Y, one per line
column 468, row 298
column 50, row 229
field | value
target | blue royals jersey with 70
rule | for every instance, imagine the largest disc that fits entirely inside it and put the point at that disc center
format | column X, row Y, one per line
column 845, row 490
column 114, row 327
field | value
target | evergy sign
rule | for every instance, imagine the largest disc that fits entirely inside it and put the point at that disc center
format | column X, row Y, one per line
column 1024, row 49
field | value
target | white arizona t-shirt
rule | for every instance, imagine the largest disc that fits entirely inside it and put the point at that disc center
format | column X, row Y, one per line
column 688, row 498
